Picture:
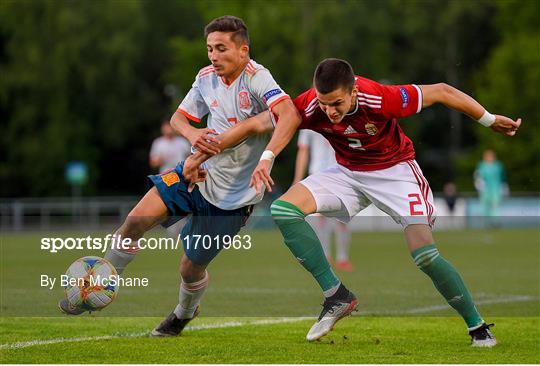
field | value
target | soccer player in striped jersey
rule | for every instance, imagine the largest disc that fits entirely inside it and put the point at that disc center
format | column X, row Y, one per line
column 376, row 164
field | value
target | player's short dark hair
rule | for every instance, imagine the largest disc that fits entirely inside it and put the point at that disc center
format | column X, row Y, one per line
column 332, row 74
column 229, row 24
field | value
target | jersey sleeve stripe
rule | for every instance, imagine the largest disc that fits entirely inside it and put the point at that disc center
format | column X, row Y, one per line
column 189, row 116
column 206, row 73
column 277, row 101
column 311, row 111
column 370, row 96
column 370, row 104
column 372, row 101
column 312, row 105
column 206, row 69
column 250, row 69
column 420, row 98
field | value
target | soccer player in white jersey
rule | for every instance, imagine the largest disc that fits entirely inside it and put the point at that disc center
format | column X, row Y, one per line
column 230, row 90
column 316, row 154
column 168, row 149
column 376, row 165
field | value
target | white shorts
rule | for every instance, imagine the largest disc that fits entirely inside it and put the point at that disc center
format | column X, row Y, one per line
column 400, row 191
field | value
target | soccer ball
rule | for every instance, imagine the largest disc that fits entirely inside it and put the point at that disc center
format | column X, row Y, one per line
column 91, row 283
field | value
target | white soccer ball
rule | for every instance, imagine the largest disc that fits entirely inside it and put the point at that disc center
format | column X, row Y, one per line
column 91, row 283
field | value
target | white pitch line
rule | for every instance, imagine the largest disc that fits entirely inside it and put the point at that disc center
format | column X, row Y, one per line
column 498, row 300
column 19, row 345
column 435, row 308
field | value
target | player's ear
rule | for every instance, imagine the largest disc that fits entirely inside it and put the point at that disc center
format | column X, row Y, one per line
column 244, row 48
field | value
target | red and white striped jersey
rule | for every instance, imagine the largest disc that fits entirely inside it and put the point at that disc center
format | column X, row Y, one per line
column 368, row 138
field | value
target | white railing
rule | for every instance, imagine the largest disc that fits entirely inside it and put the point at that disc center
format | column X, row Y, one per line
column 106, row 213
column 93, row 213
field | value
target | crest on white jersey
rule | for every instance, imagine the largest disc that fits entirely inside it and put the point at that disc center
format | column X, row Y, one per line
column 243, row 100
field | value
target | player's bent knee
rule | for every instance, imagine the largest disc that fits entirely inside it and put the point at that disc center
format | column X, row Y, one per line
column 299, row 196
column 418, row 236
column 190, row 271
column 134, row 227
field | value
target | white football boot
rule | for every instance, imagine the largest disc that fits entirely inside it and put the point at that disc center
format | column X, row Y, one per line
column 482, row 336
column 333, row 310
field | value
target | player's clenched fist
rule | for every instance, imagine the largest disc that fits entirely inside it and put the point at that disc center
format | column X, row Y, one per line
column 203, row 140
column 505, row 125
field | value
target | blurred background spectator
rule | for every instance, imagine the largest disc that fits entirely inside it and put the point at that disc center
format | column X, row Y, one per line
column 490, row 182
column 168, row 149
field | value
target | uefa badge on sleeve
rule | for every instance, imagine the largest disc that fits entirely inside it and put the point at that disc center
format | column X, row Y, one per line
column 404, row 97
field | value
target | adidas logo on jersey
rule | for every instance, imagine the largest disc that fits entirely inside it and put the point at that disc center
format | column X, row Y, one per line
column 214, row 104
column 349, row 130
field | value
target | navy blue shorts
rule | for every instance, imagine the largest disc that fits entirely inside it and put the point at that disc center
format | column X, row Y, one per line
column 207, row 223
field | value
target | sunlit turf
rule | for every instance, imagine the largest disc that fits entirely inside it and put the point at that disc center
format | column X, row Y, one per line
column 355, row 340
column 402, row 318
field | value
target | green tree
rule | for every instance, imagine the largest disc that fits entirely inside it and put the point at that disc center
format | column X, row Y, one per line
column 68, row 82
column 91, row 80
column 508, row 84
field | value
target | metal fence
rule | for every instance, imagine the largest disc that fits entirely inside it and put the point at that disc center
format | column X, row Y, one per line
column 63, row 213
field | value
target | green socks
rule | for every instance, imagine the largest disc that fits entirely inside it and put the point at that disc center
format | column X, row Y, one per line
column 448, row 282
column 306, row 247
column 304, row 244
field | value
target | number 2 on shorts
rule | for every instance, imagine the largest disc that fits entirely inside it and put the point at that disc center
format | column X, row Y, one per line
column 413, row 203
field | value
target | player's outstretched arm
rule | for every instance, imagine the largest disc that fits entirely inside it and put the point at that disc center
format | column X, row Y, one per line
column 258, row 124
column 261, row 123
column 289, row 121
column 456, row 99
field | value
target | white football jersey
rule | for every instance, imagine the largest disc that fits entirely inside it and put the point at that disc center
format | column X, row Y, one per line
column 172, row 151
column 254, row 91
column 321, row 153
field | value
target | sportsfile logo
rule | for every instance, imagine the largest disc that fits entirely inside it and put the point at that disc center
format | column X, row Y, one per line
column 116, row 241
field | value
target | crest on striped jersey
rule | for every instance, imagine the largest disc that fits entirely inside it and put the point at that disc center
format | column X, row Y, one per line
column 371, row 129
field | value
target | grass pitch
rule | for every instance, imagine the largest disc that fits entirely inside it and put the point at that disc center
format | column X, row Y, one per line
column 402, row 319
column 224, row 340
